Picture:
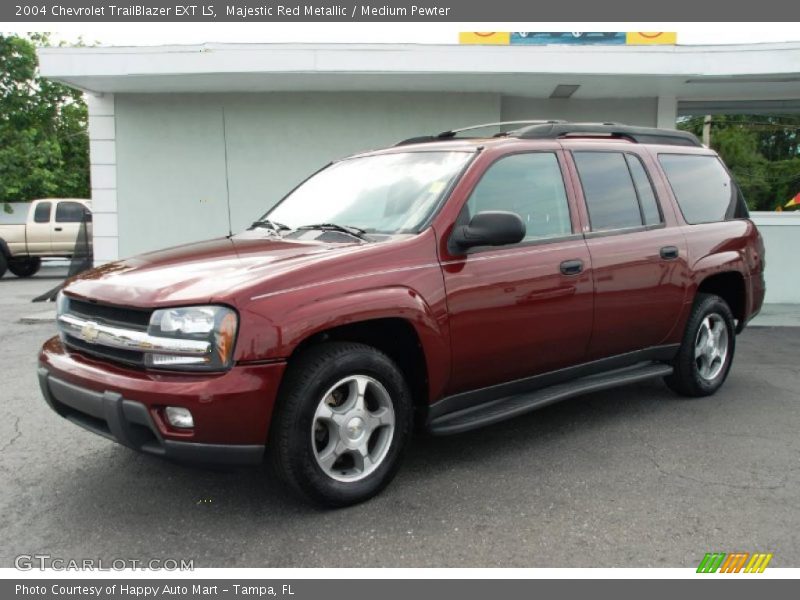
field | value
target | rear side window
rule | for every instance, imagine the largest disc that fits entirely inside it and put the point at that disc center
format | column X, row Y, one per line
column 608, row 189
column 704, row 189
column 530, row 185
column 42, row 213
column 70, row 212
column 647, row 197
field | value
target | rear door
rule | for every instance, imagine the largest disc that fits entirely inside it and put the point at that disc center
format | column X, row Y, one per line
column 638, row 253
column 38, row 228
column 522, row 309
column 68, row 219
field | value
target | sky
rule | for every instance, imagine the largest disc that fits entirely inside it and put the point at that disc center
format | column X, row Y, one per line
column 147, row 34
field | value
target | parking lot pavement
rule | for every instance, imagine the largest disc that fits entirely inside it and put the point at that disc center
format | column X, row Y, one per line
column 630, row 477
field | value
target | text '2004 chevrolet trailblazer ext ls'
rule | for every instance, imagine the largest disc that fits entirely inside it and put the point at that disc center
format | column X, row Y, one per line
column 461, row 281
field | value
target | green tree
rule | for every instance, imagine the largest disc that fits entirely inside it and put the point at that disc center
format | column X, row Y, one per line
column 762, row 151
column 44, row 144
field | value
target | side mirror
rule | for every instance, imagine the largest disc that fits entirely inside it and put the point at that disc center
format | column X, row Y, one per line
column 489, row 228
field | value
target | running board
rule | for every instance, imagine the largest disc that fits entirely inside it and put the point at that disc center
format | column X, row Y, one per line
column 511, row 406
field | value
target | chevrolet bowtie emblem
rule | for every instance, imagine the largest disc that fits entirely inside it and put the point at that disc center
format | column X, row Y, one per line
column 89, row 332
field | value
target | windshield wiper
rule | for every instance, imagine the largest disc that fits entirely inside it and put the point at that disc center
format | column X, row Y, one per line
column 271, row 225
column 356, row 232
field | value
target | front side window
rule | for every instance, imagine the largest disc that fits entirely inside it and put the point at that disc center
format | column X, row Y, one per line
column 42, row 213
column 382, row 194
column 608, row 189
column 703, row 188
column 530, row 185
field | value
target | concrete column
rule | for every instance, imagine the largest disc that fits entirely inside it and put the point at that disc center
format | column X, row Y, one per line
column 103, row 172
column 667, row 113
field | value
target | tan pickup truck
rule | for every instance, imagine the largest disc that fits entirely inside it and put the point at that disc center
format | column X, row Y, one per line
column 51, row 230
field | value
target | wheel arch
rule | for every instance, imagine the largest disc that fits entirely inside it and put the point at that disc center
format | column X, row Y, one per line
column 730, row 286
column 395, row 320
column 394, row 336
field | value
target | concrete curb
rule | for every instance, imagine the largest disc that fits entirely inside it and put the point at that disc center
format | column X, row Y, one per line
column 47, row 316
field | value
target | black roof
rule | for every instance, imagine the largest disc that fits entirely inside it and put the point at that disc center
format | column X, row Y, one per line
column 550, row 130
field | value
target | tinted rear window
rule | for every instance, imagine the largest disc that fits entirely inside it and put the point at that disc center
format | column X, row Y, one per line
column 703, row 188
column 70, row 212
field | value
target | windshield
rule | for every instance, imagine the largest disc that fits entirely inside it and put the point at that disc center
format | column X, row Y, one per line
column 385, row 193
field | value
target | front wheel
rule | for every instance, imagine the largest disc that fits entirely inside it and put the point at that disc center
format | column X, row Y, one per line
column 25, row 267
column 342, row 422
column 3, row 264
column 706, row 353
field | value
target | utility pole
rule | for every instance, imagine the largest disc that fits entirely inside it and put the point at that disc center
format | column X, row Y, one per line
column 707, row 131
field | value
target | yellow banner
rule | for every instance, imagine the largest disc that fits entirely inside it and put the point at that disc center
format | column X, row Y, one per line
column 485, row 37
column 651, row 37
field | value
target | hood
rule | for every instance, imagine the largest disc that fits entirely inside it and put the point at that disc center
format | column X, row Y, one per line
column 202, row 272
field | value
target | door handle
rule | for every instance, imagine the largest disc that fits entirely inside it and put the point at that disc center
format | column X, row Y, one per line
column 669, row 252
column 57, row 228
column 572, row 267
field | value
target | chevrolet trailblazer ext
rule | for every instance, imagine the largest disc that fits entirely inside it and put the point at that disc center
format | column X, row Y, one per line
column 448, row 282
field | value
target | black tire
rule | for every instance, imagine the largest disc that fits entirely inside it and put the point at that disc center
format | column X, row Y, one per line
column 687, row 379
column 25, row 267
column 3, row 264
column 306, row 383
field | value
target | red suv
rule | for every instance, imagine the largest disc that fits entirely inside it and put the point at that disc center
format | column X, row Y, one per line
column 449, row 282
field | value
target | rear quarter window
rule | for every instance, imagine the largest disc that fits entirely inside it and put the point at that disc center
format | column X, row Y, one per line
column 705, row 191
column 70, row 212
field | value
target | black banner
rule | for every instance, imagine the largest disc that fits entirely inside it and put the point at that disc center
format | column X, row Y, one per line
column 395, row 10
column 731, row 588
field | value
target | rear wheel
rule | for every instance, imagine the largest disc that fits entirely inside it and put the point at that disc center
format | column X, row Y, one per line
column 25, row 267
column 342, row 423
column 706, row 353
column 3, row 264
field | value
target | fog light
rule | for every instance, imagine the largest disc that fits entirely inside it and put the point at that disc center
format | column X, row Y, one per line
column 179, row 417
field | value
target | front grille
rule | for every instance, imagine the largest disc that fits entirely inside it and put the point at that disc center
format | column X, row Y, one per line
column 127, row 318
column 129, row 357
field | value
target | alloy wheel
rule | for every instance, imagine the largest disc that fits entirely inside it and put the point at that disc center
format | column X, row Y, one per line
column 353, row 427
column 711, row 346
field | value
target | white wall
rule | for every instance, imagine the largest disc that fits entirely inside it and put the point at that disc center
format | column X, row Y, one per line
column 781, row 233
column 631, row 111
column 170, row 156
column 103, row 176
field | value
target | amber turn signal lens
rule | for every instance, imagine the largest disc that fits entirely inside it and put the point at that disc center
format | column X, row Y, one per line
column 225, row 337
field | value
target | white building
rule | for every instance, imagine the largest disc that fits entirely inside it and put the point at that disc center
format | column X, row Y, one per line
column 158, row 145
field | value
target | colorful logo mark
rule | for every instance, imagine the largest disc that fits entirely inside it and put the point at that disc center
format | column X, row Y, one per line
column 651, row 37
column 719, row 562
column 485, row 37
column 513, row 38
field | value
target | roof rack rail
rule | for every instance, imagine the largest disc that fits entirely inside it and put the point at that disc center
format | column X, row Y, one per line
column 452, row 133
column 640, row 135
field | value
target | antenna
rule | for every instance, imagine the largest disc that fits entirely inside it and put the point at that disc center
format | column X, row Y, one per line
column 227, row 184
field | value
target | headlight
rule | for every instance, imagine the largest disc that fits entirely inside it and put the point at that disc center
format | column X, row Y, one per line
column 214, row 324
column 62, row 307
column 62, row 303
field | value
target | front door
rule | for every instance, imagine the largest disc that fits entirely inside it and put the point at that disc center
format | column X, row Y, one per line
column 39, row 228
column 524, row 309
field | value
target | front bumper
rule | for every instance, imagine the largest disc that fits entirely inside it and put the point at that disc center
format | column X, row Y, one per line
column 231, row 410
